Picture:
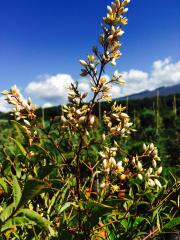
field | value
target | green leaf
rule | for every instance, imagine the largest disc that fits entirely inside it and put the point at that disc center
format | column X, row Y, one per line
column 138, row 220
column 21, row 128
column 96, row 210
column 32, row 188
column 131, row 194
column 33, row 216
column 173, row 223
column 16, row 221
column 16, row 192
column 26, row 217
column 7, row 212
column 42, row 150
column 3, row 184
column 124, row 223
column 64, row 207
column 20, row 147
column 45, row 171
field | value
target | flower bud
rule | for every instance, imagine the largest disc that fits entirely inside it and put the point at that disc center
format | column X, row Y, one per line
column 157, row 182
column 150, row 170
column 63, row 119
column 112, row 161
column 140, row 176
column 78, row 111
column 102, row 185
column 29, row 101
column 91, row 65
column 139, row 166
column 126, row 160
column 119, row 164
column 124, row 115
column 133, row 161
column 110, row 37
column 83, row 63
column 82, row 119
column 151, row 146
column 123, row 177
column 159, row 171
column 151, row 182
column 113, row 62
column 154, row 163
column 125, row 10
column 105, row 163
column 102, row 154
column 144, row 147
column 87, row 133
column 155, row 152
column 104, row 137
column 109, row 9
column 121, row 81
column 92, row 119
column 120, row 33
column 102, row 80
column 27, row 122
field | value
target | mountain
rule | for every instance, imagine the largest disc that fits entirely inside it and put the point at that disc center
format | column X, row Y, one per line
column 162, row 91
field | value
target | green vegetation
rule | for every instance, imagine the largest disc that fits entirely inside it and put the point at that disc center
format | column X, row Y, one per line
column 87, row 173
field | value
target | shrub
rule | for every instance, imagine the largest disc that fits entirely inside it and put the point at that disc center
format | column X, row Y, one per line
column 72, row 179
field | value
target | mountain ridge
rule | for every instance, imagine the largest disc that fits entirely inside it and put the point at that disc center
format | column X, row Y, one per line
column 162, row 91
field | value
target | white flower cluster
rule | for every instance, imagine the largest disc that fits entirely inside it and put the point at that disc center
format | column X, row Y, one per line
column 134, row 167
column 118, row 121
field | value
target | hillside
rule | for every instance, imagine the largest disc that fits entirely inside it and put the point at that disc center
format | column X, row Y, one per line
column 162, row 91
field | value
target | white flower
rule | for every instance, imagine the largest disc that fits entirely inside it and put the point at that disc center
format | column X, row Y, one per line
column 105, row 163
column 154, row 163
column 159, row 171
column 140, row 176
column 112, row 161
column 83, row 63
column 151, row 182
column 139, row 165
column 92, row 119
column 102, row 185
column 157, row 182
column 119, row 164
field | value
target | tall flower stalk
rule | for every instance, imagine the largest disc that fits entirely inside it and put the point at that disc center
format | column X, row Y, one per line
column 77, row 180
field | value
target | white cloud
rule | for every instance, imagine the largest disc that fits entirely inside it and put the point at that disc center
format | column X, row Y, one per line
column 116, row 91
column 135, row 76
column 163, row 73
column 47, row 105
column 4, row 106
column 84, row 86
column 52, row 89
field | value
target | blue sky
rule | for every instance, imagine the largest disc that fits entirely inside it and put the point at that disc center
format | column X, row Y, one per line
column 40, row 37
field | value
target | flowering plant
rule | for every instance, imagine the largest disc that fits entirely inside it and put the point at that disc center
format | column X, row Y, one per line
column 72, row 179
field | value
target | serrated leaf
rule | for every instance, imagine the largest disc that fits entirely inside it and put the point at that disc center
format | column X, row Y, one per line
column 16, row 192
